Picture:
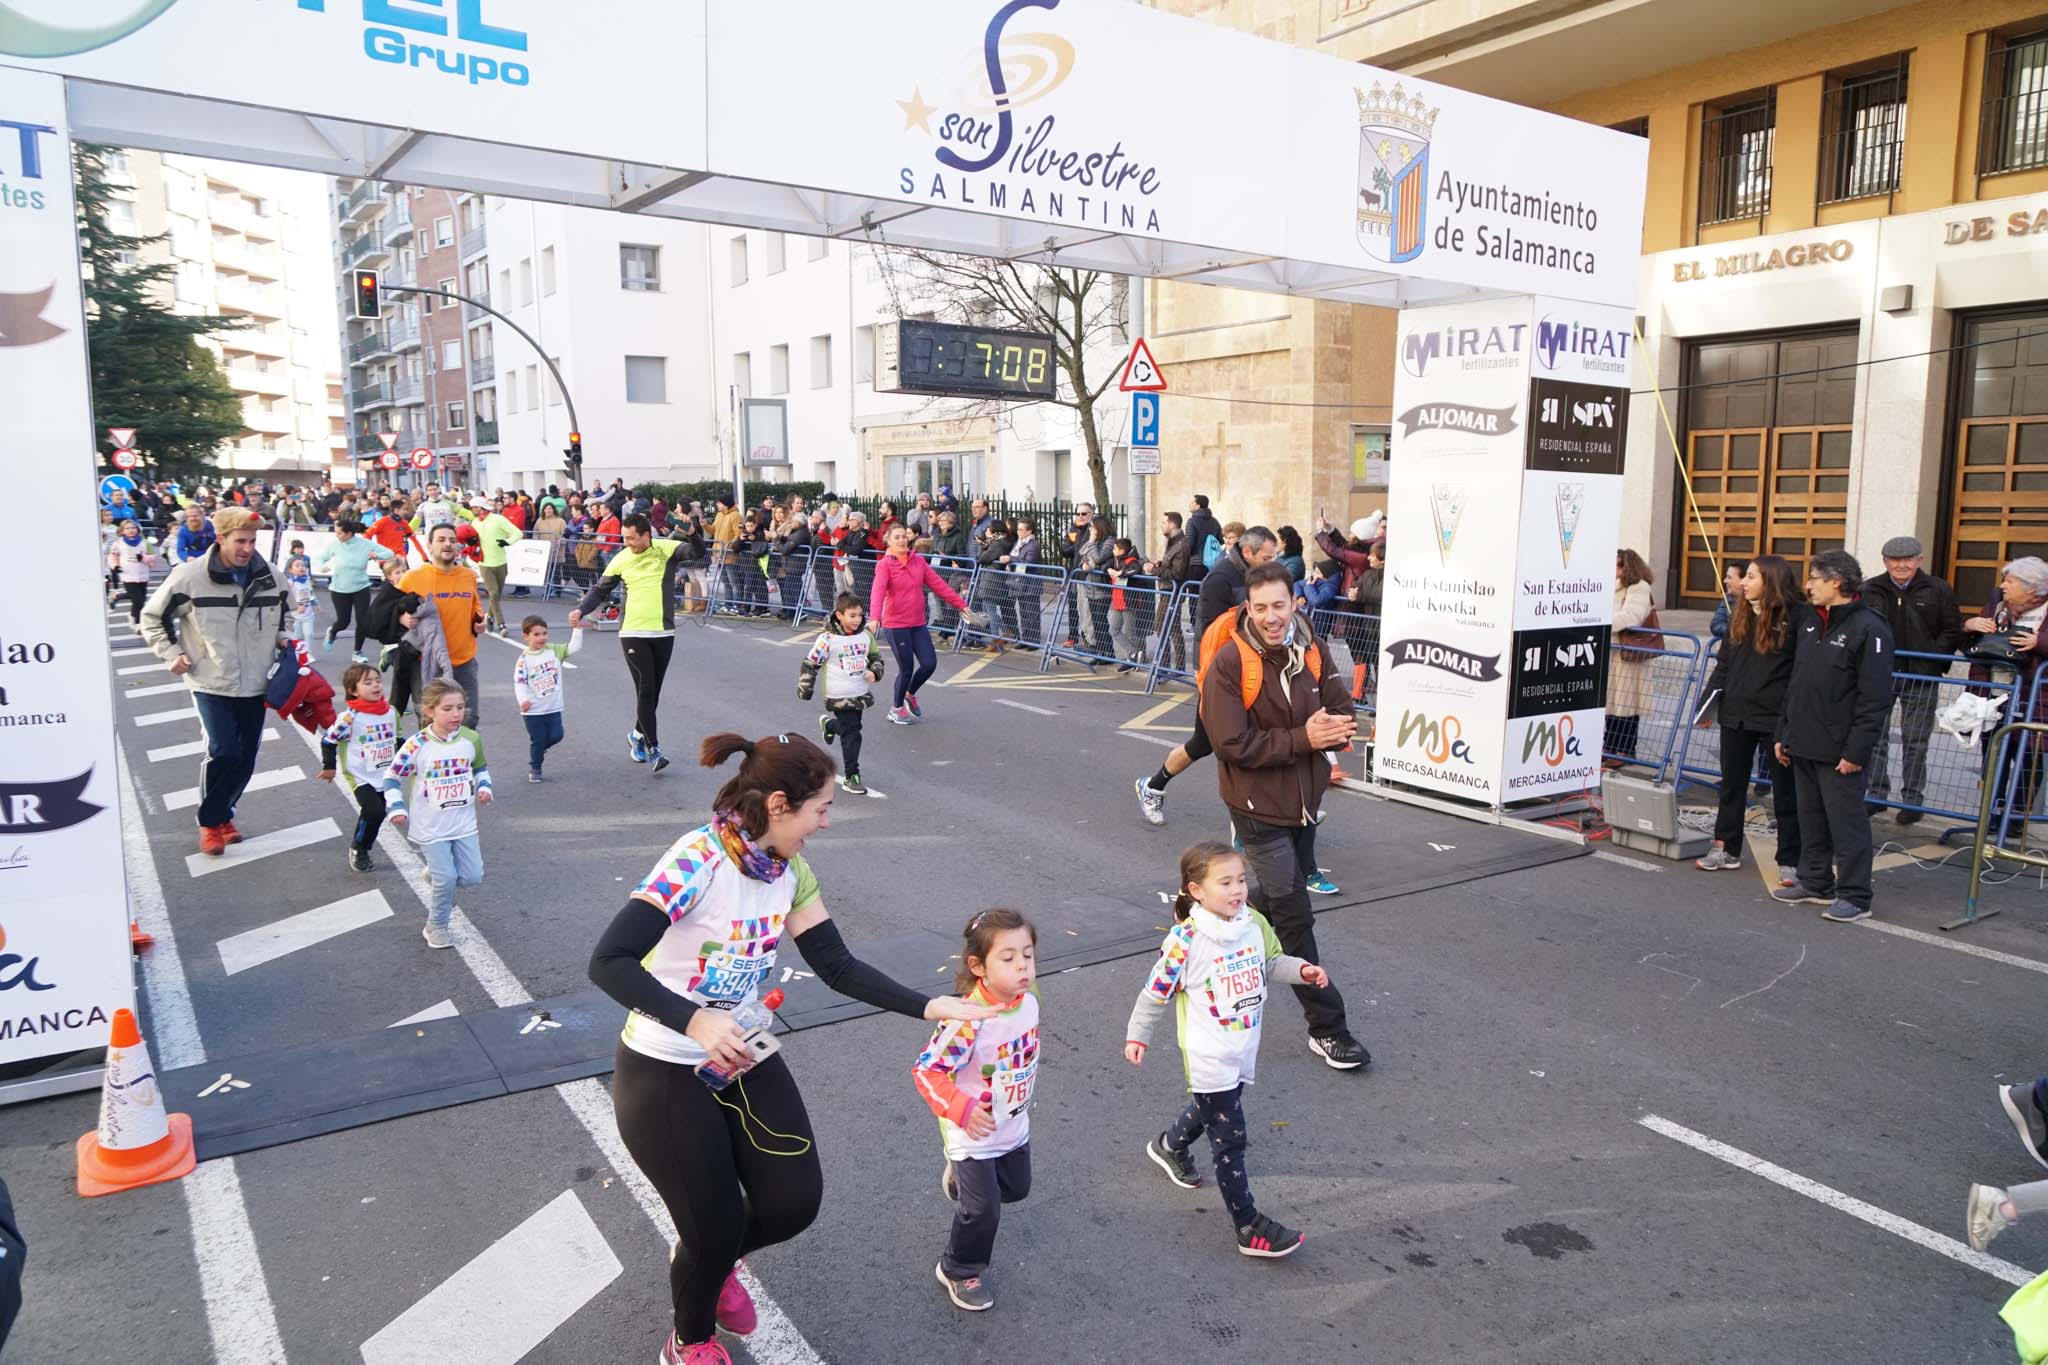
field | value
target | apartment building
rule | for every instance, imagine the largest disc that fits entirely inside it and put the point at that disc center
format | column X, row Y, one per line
column 250, row 242
column 1844, row 294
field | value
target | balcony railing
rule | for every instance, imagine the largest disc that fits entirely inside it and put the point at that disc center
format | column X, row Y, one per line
column 470, row 311
column 276, row 380
column 1736, row 145
column 364, row 348
column 2013, row 127
column 404, row 391
column 402, row 333
column 1863, row 133
column 365, row 250
column 377, row 395
column 397, row 225
column 486, row 431
column 368, row 444
column 483, row 369
column 364, row 199
column 243, row 298
column 475, row 240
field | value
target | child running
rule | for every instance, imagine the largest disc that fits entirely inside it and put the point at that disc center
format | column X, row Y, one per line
column 363, row 738
column 298, row 591
column 978, row 1077
column 1214, row 967
column 851, row 658
column 447, row 762
column 537, row 684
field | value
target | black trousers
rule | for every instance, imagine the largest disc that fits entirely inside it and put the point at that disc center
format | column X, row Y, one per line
column 846, row 729
column 138, row 593
column 1834, row 830
column 1220, row 1114
column 1280, row 859
column 369, row 816
column 1739, row 751
column 728, row 1197
column 647, row 660
column 1918, row 699
column 984, row 1184
column 350, row 606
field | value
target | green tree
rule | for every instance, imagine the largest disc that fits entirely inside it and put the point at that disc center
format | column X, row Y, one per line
column 148, row 369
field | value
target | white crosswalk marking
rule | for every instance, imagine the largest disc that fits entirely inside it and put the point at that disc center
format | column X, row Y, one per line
column 303, row 930
column 191, row 750
column 508, row 1300
column 444, row 1010
column 160, row 690
column 125, row 653
column 262, row 846
column 165, row 717
column 187, row 797
column 138, row 670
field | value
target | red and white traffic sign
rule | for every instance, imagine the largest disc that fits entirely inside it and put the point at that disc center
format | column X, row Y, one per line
column 390, row 459
column 125, row 459
column 1141, row 372
column 390, row 440
column 122, row 437
column 422, row 458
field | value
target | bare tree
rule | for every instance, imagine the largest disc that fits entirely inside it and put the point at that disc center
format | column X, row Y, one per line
column 1085, row 310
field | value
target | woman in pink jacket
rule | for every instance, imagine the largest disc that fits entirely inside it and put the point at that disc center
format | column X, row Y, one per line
column 896, row 604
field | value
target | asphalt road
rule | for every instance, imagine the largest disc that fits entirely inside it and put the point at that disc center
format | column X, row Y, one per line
column 1527, row 1173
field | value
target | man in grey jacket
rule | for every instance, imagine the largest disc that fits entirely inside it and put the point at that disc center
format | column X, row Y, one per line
column 218, row 620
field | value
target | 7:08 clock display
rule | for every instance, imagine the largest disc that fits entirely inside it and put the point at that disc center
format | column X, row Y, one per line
column 946, row 358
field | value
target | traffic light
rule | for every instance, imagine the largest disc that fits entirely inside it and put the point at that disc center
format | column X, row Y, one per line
column 574, row 454
column 367, row 289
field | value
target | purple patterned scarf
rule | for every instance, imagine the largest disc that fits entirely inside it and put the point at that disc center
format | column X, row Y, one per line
column 753, row 859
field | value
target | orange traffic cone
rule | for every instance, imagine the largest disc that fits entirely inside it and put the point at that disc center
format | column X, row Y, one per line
column 137, row 1143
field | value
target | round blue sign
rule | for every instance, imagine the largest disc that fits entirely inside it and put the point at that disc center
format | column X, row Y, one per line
column 116, row 481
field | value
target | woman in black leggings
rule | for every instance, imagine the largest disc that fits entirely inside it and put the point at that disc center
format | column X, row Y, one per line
column 738, row 1167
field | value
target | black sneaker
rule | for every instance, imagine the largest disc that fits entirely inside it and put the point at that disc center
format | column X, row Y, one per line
column 825, row 728
column 657, row 758
column 359, row 859
column 1801, row 894
column 1179, row 1166
column 1340, row 1051
column 1909, row 817
column 1265, row 1237
column 971, row 1293
column 2027, row 1119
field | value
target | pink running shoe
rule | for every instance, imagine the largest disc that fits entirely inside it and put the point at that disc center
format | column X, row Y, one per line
column 736, row 1305
column 673, row 1352
column 910, row 700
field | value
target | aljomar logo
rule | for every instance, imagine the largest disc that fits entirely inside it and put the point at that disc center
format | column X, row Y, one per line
column 21, row 35
column 1026, row 166
column 1458, row 417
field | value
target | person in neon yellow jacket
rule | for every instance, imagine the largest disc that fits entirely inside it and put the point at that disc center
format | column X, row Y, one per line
column 494, row 531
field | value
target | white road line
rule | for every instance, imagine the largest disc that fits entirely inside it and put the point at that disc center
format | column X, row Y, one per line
column 165, row 717
column 1638, row 864
column 125, row 653
column 1835, row 1199
column 255, row 947
column 263, row 845
column 776, row 1341
column 509, row 1299
column 191, row 750
column 160, row 690
column 239, row 1315
column 1025, row 706
column 1955, row 945
column 124, row 638
column 1160, row 740
column 187, row 797
column 444, row 1010
column 139, row 669
column 722, row 630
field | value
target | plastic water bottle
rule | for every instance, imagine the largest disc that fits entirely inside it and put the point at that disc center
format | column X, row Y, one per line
column 755, row 1018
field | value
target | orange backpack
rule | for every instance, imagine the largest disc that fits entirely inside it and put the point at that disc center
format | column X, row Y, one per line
column 1250, row 663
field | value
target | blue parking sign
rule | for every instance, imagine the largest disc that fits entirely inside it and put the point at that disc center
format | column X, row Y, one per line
column 1145, row 421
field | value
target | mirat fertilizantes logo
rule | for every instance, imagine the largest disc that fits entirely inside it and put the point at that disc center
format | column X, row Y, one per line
column 26, row 30
column 1000, row 145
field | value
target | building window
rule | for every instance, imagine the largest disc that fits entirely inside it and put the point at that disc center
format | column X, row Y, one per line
column 1369, row 469
column 547, row 271
column 821, row 362
column 1736, row 141
column 736, row 260
column 1863, row 131
column 743, row 373
column 777, row 253
column 640, row 268
column 817, row 248
column 457, row 415
column 2013, row 130
column 505, row 287
column 646, row 379
column 526, row 280
column 427, row 302
column 510, row 383
column 864, row 354
column 533, row 388
column 444, row 232
column 451, row 355
column 778, row 369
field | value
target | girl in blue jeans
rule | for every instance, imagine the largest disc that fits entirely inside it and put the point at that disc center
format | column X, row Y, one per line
column 445, row 763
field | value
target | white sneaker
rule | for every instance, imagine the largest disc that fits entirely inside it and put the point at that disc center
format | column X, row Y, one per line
column 900, row 715
column 437, row 936
column 1151, row 804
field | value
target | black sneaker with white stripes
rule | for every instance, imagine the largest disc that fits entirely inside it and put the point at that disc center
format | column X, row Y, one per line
column 1179, row 1166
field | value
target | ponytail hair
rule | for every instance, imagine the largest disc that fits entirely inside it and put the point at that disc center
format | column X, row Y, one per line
column 784, row 763
column 1194, row 869
column 980, row 938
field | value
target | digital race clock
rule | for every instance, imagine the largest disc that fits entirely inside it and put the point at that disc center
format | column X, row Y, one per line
column 974, row 362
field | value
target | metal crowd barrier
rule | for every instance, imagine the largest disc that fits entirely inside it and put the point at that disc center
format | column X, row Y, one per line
column 1655, row 738
column 2018, row 747
column 1353, row 641
column 1018, row 606
column 1178, row 642
column 1102, row 634
column 957, row 572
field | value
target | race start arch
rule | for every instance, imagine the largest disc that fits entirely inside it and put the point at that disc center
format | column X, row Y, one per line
column 1004, row 128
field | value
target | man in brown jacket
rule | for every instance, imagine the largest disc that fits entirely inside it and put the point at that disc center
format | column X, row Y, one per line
column 1272, row 770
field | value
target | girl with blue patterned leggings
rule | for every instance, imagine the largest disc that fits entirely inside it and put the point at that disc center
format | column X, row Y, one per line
column 1214, row 967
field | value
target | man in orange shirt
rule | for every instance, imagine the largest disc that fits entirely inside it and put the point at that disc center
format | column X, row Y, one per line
column 451, row 585
column 392, row 532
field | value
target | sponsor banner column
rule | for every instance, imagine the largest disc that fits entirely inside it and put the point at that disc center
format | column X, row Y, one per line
column 64, row 957
column 1453, row 513
column 1569, row 533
